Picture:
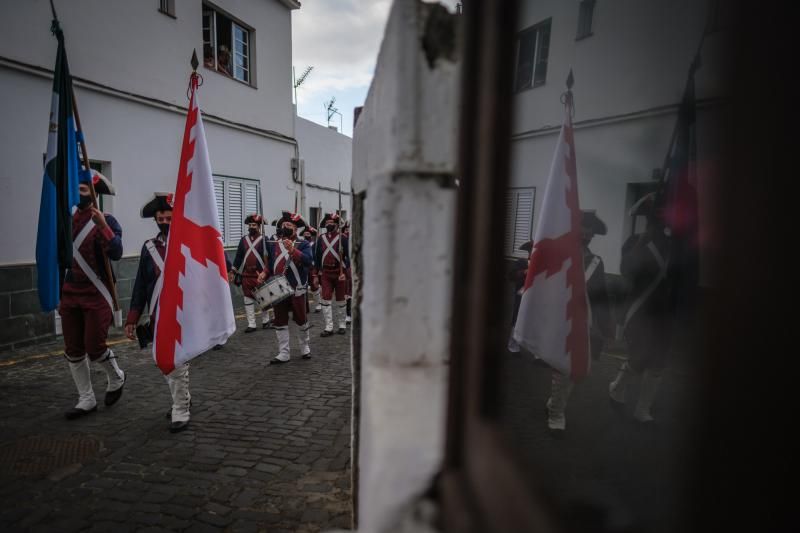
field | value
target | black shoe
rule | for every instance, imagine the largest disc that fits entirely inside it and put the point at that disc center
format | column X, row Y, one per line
column 266, row 325
column 342, row 331
column 113, row 396
column 177, row 427
column 307, row 356
column 326, row 333
column 217, row 347
column 249, row 330
column 76, row 413
column 277, row 361
column 618, row 407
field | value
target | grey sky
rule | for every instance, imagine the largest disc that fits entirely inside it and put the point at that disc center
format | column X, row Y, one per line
column 341, row 39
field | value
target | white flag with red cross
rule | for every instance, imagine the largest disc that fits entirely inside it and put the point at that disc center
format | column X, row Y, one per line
column 195, row 311
column 553, row 319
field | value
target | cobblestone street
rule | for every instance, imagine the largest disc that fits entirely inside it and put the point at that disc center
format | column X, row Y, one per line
column 268, row 447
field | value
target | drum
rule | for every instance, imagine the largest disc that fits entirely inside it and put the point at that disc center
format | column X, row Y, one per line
column 274, row 290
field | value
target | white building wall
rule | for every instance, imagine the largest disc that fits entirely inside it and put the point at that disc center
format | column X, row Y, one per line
column 404, row 162
column 637, row 58
column 143, row 146
column 629, row 78
column 131, row 46
column 328, row 162
column 136, row 123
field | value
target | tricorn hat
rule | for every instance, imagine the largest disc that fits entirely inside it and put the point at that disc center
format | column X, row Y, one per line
column 333, row 217
column 288, row 216
column 161, row 201
column 102, row 185
column 592, row 222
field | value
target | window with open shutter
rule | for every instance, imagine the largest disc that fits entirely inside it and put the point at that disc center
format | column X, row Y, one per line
column 508, row 241
column 236, row 198
column 533, row 51
column 519, row 220
column 235, row 220
column 585, row 15
column 251, row 199
column 219, row 196
column 314, row 216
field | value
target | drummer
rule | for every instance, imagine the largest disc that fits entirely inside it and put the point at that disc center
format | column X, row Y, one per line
column 292, row 258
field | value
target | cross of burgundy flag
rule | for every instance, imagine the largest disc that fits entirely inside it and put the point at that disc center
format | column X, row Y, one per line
column 195, row 311
column 553, row 319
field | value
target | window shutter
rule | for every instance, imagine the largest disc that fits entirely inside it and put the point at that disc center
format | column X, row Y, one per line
column 585, row 13
column 235, row 212
column 523, row 225
column 519, row 221
column 526, row 53
column 542, row 53
column 508, row 242
column 251, row 198
column 219, row 196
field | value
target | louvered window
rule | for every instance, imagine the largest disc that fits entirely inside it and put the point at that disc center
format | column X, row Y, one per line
column 235, row 214
column 236, row 198
column 519, row 220
column 219, row 196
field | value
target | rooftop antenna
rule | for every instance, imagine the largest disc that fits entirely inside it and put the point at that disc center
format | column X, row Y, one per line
column 333, row 111
column 297, row 82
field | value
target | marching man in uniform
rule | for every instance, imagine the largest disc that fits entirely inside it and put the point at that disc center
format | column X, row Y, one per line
column 248, row 264
column 310, row 235
column 86, row 307
column 291, row 258
column 600, row 322
column 348, row 293
column 331, row 257
column 144, row 301
column 648, row 319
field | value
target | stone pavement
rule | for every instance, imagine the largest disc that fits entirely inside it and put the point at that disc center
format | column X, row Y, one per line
column 604, row 459
column 268, row 448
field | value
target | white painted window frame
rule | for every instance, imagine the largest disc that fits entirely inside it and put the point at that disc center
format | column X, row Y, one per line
column 235, row 53
column 536, row 29
column 248, row 78
column 212, row 33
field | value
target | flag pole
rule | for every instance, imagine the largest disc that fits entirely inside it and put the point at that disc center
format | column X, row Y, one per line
column 567, row 98
column 341, row 222
column 92, row 192
column 692, row 69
